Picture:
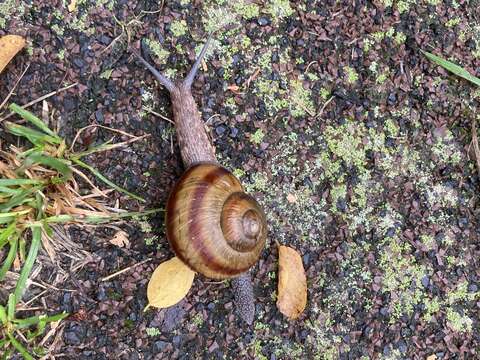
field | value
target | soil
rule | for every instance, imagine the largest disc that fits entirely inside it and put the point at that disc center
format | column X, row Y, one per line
column 356, row 145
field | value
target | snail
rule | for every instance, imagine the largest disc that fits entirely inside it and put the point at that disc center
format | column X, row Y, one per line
column 212, row 225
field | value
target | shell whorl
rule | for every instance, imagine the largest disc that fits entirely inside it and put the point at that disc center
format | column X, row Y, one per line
column 212, row 224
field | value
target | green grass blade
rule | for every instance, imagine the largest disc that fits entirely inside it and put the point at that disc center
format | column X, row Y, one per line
column 33, row 320
column 452, row 67
column 15, row 182
column 29, row 261
column 34, row 136
column 19, row 199
column 105, row 180
column 7, row 191
column 3, row 315
column 49, row 161
column 11, row 307
column 31, row 118
column 6, row 233
column 24, row 323
column 9, row 259
column 20, row 348
column 14, row 214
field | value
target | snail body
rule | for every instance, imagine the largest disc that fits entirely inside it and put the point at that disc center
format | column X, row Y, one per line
column 212, row 224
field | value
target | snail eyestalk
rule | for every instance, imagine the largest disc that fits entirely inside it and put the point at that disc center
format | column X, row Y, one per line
column 188, row 81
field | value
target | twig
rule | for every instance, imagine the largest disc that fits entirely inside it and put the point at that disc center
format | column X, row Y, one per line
column 13, row 88
column 41, row 98
column 325, row 105
column 302, row 105
column 159, row 115
column 476, row 148
column 124, row 270
column 100, row 126
column 252, row 77
column 310, row 64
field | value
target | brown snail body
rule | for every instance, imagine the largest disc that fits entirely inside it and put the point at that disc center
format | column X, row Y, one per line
column 212, row 225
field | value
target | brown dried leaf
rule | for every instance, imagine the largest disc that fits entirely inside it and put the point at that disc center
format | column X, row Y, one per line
column 10, row 45
column 292, row 283
column 120, row 239
column 170, row 283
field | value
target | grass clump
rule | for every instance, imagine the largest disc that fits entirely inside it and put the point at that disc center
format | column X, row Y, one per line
column 38, row 189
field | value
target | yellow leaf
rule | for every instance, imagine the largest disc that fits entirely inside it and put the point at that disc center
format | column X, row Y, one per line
column 120, row 239
column 432, row 357
column 170, row 283
column 10, row 45
column 292, row 283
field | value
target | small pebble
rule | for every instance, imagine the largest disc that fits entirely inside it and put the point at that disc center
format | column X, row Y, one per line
column 262, row 21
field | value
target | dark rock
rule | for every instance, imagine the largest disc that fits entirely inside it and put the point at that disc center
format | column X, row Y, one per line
column 79, row 62
column 220, row 129
column 101, row 294
column 402, row 346
column 392, row 99
column 74, row 335
column 160, row 345
column 99, row 116
column 472, row 288
column 263, row 21
column 105, row 40
column 233, row 132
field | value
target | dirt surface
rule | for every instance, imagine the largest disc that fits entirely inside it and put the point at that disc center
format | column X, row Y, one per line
column 356, row 145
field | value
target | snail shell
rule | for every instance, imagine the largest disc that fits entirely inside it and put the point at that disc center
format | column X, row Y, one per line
column 212, row 224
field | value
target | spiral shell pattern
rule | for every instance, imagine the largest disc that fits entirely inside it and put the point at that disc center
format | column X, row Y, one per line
column 212, row 224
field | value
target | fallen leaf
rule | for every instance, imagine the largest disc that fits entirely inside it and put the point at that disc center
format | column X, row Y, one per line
column 72, row 6
column 10, row 45
column 432, row 357
column 170, row 283
column 120, row 239
column 292, row 283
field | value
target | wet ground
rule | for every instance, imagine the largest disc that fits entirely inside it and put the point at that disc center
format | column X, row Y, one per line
column 355, row 144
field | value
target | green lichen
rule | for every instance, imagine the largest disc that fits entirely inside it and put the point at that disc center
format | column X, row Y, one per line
column 156, row 48
column 279, row 9
column 453, row 22
column 178, row 28
column 428, row 241
column 246, row 10
column 459, row 323
column 351, row 75
column 432, row 307
column 301, row 100
column 152, row 331
column 257, row 137
column 198, row 320
column 10, row 9
column 402, row 276
column 400, row 38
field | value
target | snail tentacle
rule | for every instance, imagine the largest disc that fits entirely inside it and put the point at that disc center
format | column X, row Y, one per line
column 162, row 79
column 193, row 71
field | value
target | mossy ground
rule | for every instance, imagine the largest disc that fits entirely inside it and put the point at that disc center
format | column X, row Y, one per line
column 356, row 146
